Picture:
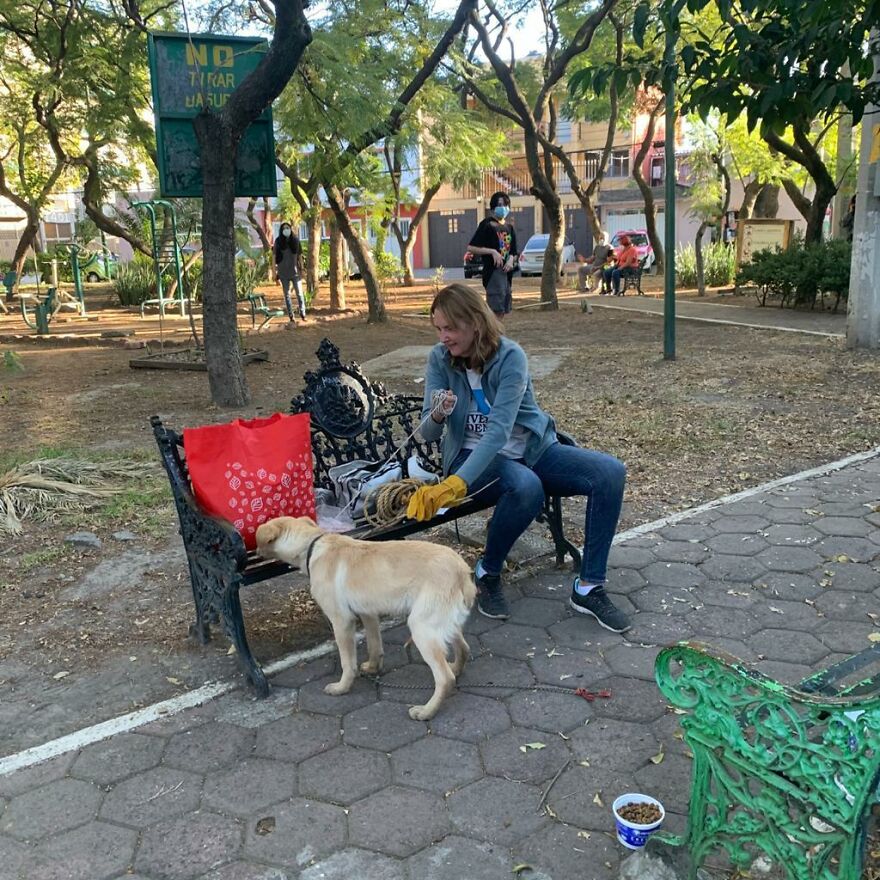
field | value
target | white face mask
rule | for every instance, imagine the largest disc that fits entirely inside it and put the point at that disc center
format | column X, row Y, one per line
column 285, row 233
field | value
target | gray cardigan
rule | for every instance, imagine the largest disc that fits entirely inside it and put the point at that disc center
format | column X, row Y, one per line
column 508, row 388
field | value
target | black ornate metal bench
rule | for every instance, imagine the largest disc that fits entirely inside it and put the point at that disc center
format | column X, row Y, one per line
column 352, row 418
column 790, row 773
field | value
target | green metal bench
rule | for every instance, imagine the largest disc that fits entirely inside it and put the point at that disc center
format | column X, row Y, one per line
column 790, row 773
column 259, row 306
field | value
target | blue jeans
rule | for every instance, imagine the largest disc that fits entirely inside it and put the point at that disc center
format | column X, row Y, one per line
column 518, row 493
column 286, row 284
column 614, row 275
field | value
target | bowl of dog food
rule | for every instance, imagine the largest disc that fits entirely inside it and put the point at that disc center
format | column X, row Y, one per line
column 637, row 816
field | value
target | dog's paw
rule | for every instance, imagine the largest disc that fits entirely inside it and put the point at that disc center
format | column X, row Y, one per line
column 368, row 668
column 336, row 688
column 421, row 713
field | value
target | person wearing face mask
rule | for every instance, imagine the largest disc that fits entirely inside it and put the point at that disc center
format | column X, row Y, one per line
column 288, row 269
column 495, row 242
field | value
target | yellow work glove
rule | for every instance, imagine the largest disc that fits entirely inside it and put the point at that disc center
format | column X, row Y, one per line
column 427, row 500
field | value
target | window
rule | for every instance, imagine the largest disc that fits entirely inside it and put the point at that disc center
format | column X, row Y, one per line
column 403, row 224
column 563, row 131
column 303, row 232
column 618, row 165
column 658, row 163
column 452, row 225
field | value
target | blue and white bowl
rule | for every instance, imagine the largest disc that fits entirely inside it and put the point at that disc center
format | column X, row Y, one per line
column 631, row 835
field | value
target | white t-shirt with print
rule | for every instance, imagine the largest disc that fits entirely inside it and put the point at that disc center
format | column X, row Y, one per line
column 478, row 420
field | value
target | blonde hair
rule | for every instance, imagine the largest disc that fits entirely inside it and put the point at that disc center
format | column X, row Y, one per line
column 463, row 305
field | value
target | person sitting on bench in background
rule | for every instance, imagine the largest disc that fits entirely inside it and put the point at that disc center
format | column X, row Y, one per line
column 627, row 264
column 594, row 265
column 499, row 443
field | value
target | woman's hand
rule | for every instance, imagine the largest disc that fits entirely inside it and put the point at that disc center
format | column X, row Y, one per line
column 427, row 500
column 497, row 259
column 442, row 405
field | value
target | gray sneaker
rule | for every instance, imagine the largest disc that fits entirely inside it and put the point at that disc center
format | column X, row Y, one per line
column 490, row 597
column 599, row 605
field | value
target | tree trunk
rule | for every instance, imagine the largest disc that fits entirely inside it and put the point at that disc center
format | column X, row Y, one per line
column 26, row 240
column 647, row 193
column 361, row 254
column 338, row 268
column 553, row 255
column 407, row 244
column 750, row 194
column 265, row 244
column 698, row 254
column 219, row 306
column 767, row 202
column 313, row 261
column 805, row 154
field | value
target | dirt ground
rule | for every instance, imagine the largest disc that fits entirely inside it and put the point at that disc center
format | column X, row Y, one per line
column 738, row 407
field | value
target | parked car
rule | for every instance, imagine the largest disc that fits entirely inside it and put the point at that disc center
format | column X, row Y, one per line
column 473, row 265
column 92, row 266
column 531, row 258
column 639, row 237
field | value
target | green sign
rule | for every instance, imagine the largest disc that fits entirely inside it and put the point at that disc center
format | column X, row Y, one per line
column 189, row 73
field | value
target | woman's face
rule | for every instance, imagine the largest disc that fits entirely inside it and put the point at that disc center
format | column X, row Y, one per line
column 459, row 340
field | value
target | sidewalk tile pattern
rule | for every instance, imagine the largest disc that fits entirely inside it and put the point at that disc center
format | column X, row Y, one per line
column 306, row 786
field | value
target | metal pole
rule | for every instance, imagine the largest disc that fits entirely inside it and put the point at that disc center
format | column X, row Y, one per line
column 669, row 181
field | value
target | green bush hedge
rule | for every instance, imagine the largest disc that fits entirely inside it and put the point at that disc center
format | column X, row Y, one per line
column 800, row 275
column 719, row 265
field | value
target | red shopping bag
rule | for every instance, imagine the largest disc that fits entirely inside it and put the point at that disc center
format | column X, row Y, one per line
column 247, row 472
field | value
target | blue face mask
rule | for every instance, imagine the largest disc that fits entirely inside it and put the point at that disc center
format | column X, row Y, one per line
column 501, row 211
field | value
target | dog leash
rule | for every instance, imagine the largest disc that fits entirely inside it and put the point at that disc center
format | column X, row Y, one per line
column 583, row 693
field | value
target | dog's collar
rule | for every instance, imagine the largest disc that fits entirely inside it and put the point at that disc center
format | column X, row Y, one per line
column 311, row 547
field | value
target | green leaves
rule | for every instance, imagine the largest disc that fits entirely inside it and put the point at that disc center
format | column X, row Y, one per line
column 640, row 23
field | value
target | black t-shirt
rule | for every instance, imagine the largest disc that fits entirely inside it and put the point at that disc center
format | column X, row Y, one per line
column 498, row 236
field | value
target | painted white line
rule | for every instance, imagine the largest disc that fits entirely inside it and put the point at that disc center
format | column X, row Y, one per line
column 681, row 317
column 820, row 471
column 98, row 732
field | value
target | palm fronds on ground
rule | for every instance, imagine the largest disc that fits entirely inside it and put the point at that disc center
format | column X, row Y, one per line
column 45, row 488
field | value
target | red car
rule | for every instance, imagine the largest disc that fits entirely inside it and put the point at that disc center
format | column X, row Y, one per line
column 639, row 237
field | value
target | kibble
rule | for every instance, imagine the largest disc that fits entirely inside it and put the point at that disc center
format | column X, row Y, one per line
column 640, row 813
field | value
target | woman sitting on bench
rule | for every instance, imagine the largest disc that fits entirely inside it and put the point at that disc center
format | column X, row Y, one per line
column 499, row 443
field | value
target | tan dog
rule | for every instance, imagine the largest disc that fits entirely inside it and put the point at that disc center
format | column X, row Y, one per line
column 350, row 579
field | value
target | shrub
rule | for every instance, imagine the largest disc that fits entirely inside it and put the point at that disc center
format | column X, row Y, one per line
column 248, row 274
column 388, row 266
column 192, row 281
column 802, row 274
column 136, row 281
column 719, row 265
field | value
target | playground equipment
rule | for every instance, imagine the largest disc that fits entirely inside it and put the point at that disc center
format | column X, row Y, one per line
column 166, row 257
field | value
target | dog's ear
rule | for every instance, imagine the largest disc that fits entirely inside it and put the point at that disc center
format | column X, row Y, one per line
column 268, row 532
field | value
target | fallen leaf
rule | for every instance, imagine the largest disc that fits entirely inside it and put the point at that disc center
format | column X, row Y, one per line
column 584, row 834
column 518, row 869
column 172, row 679
column 874, row 637
column 549, row 811
column 597, row 799
column 584, row 763
column 265, row 826
column 776, row 610
column 59, row 675
column 656, row 759
column 537, row 746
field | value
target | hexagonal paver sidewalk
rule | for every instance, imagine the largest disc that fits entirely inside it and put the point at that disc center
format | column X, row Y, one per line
column 516, row 768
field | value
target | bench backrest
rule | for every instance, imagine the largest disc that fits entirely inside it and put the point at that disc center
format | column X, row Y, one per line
column 354, row 418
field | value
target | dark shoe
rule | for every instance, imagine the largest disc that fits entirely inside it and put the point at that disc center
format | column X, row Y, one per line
column 597, row 603
column 490, row 597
